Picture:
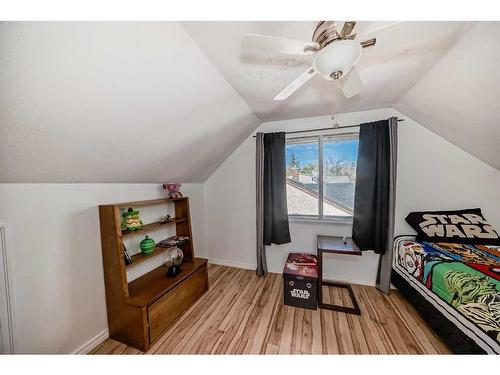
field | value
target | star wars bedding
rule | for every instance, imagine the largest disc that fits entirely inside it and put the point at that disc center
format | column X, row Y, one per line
column 460, row 283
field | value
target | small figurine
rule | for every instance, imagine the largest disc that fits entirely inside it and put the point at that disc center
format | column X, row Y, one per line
column 131, row 220
column 165, row 219
column 173, row 190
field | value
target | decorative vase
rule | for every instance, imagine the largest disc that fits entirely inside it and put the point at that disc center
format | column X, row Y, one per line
column 147, row 245
column 131, row 220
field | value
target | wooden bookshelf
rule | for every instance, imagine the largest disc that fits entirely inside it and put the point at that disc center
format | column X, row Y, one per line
column 140, row 311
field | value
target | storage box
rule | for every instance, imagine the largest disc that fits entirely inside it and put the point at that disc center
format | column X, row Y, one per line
column 300, row 278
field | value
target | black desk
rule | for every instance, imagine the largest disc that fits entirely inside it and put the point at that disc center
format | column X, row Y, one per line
column 335, row 245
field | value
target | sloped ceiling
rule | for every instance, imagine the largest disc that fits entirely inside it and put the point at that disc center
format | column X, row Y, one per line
column 459, row 99
column 403, row 54
column 159, row 101
column 112, row 102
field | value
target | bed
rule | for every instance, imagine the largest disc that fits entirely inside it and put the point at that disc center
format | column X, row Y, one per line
column 455, row 288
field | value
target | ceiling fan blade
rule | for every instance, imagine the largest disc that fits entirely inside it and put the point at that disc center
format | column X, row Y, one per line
column 347, row 28
column 271, row 44
column 352, row 83
column 295, row 85
column 375, row 26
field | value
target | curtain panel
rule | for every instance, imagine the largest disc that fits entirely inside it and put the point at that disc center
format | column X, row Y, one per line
column 375, row 193
column 271, row 204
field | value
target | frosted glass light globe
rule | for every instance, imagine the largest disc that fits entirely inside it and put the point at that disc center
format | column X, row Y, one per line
column 337, row 57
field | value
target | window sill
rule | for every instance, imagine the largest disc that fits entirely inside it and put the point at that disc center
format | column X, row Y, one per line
column 338, row 220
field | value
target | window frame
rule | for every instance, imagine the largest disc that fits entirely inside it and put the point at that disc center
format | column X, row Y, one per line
column 320, row 139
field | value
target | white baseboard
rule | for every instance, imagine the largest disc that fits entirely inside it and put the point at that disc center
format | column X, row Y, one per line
column 222, row 262
column 348, row 280
column 249, row 266
column 93, row 343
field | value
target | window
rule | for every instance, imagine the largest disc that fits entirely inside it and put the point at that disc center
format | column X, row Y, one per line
column 321, row 176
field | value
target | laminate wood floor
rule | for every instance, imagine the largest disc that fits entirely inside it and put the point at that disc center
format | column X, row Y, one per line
column 244, row 314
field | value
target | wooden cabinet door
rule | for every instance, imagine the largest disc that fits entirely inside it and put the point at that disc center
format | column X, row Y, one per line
column 167, row 309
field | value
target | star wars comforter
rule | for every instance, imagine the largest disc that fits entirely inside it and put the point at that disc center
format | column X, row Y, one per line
column 462, row 282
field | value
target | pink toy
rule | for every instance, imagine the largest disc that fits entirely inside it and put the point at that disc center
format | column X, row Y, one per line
column 173, row 190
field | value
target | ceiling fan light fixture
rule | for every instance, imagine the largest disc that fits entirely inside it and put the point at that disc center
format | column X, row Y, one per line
column 339, row 56
column 335, row 54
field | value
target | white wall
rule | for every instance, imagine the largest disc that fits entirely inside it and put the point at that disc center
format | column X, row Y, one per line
column 55, row 258
column 435, row 174
column 54, row 243
column 458, row 97
column 230, row 203
column 432, row 174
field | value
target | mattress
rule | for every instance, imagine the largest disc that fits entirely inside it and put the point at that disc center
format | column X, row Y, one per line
column 459, row 283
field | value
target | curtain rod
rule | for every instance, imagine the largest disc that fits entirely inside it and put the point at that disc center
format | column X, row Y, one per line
column 334, row 128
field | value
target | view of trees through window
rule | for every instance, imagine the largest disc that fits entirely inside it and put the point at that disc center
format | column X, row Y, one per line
column 338, row 180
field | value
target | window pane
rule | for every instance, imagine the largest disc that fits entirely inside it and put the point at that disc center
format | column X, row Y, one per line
column 302, row 176
column 340, row 155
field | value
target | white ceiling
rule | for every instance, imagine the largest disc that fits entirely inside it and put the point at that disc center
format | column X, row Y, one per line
column 112, row 102
column 156, row 102
column 403, row 54
column 460, row 97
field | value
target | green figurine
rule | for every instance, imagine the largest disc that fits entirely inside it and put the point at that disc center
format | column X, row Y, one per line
column 131, row 220
column 147, row 245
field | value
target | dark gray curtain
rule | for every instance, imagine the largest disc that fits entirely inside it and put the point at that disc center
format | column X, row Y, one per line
column 385, row 262
column 373, row 218
column 270, row 183
column 276, row 229
column 259, row 184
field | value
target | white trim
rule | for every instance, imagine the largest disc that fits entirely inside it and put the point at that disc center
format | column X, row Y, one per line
column 348, row 280
column 222, row 262
column 6, row 320
column 93, row 343
column 321, row 177
column 325, row 220
column 253, row 267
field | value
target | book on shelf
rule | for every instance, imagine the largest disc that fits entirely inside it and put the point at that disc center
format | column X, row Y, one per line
column 126, row 255
column 173, row 241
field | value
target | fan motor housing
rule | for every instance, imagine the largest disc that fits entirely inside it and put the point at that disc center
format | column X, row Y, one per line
column 325, row 33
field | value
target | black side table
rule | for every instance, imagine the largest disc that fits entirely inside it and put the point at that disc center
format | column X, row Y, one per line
column 335, row 245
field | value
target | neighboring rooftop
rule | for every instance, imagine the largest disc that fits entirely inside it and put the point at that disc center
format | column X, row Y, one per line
column 303, row 200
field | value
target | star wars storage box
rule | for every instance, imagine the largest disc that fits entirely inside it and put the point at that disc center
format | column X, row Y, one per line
column 300, row 277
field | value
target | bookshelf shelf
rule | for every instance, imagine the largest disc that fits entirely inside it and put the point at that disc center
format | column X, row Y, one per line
column 150, row 202
column 150, row 228
column 154, row 284
column 140, row 257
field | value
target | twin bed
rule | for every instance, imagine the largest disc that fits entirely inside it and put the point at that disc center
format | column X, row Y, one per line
column 456, row 289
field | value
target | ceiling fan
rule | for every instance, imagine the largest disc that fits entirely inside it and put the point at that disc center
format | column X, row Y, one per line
column 337, row 53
